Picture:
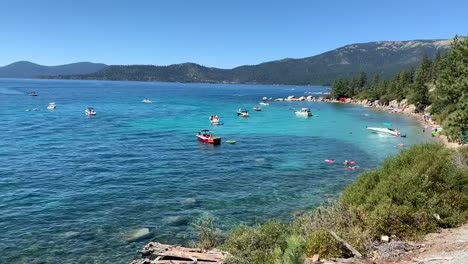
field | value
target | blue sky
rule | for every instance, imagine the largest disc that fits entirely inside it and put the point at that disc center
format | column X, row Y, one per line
column 211, row 32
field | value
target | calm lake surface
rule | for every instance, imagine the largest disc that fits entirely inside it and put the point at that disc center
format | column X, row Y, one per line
column 70, row 185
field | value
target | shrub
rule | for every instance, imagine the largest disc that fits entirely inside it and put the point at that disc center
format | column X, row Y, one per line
column 256, row 244
column 338, row 217
column 322, row 243
column 405, row 194
column 208, row 234
column 292, row 254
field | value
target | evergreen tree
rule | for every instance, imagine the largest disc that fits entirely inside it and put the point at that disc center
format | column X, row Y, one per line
column 340, row 88
column 420, row 91
column 362, row 81
column 399, row 86
column 435, row 66
column 451, row 93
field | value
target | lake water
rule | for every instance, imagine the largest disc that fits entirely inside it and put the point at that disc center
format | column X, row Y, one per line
column 70, row 185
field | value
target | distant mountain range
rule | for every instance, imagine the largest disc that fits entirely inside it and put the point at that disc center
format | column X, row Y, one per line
column 383, row 57
column 26, row 69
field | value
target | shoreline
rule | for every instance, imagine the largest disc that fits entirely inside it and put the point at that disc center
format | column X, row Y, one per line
column 427, row 125
column 394, row 107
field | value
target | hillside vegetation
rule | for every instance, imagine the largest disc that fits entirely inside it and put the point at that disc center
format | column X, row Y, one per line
column 383, row 57
column 439, row 86
column 419, row 191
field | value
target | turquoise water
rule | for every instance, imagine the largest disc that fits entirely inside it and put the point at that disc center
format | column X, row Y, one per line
column 70, row 185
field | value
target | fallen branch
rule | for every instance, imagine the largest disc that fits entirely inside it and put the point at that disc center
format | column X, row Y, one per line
column 345, row 244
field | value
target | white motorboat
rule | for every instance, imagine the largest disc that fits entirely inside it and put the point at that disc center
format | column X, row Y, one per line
column 243, row 113
column 304, row 112
column 90, row 111
column 51, row 106
column 386, row 131
column 264, row 103
column 147, row 101
column 214, row 119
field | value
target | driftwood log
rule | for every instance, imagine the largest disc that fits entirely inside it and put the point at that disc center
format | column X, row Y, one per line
column 345, row 244
column 157, row 253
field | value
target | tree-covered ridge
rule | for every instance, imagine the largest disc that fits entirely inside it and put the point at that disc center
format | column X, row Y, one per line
column 441, row 83
column 384, row 57
column 26, row 69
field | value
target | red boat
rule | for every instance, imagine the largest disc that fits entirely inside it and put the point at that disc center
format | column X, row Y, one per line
column 205, row 136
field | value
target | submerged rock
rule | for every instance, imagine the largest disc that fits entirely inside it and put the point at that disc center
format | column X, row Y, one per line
column 71, row 234
column 137, row 234
column 188, row 202
column 176, row 220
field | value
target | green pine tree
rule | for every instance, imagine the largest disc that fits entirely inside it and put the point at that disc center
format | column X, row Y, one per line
column 420, row 90
column 451, row 93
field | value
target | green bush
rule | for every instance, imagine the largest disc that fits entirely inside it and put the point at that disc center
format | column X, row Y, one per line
column 335, row 216
column 322, row 243
column 257, row 244
column 292, row 254
column 208, row 234
column 404, row 196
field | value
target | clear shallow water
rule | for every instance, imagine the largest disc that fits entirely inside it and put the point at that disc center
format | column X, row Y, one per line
column 71, row 185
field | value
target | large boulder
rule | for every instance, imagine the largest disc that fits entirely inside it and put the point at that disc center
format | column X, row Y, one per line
column 410, row 109
column 393, row 104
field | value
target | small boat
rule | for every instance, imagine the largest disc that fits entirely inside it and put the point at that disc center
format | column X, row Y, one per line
column 206, row 136
column 257, row 108
column 264, row 103
column 214, row 119
column 231, row 141
column 32, row 94
column 243, row 113
column 385, row 131
column 304, row 112
column 51, row 106
column 147, row 101
column 90, row 111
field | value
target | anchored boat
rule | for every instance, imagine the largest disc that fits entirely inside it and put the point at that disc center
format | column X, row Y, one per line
column 257, row 108
column 90, row 111
column 51, row 106
column 214, row 119
column 243, row 113
column 147, row 101
column 304, row 112
column 206, row 136
column 386, row 131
